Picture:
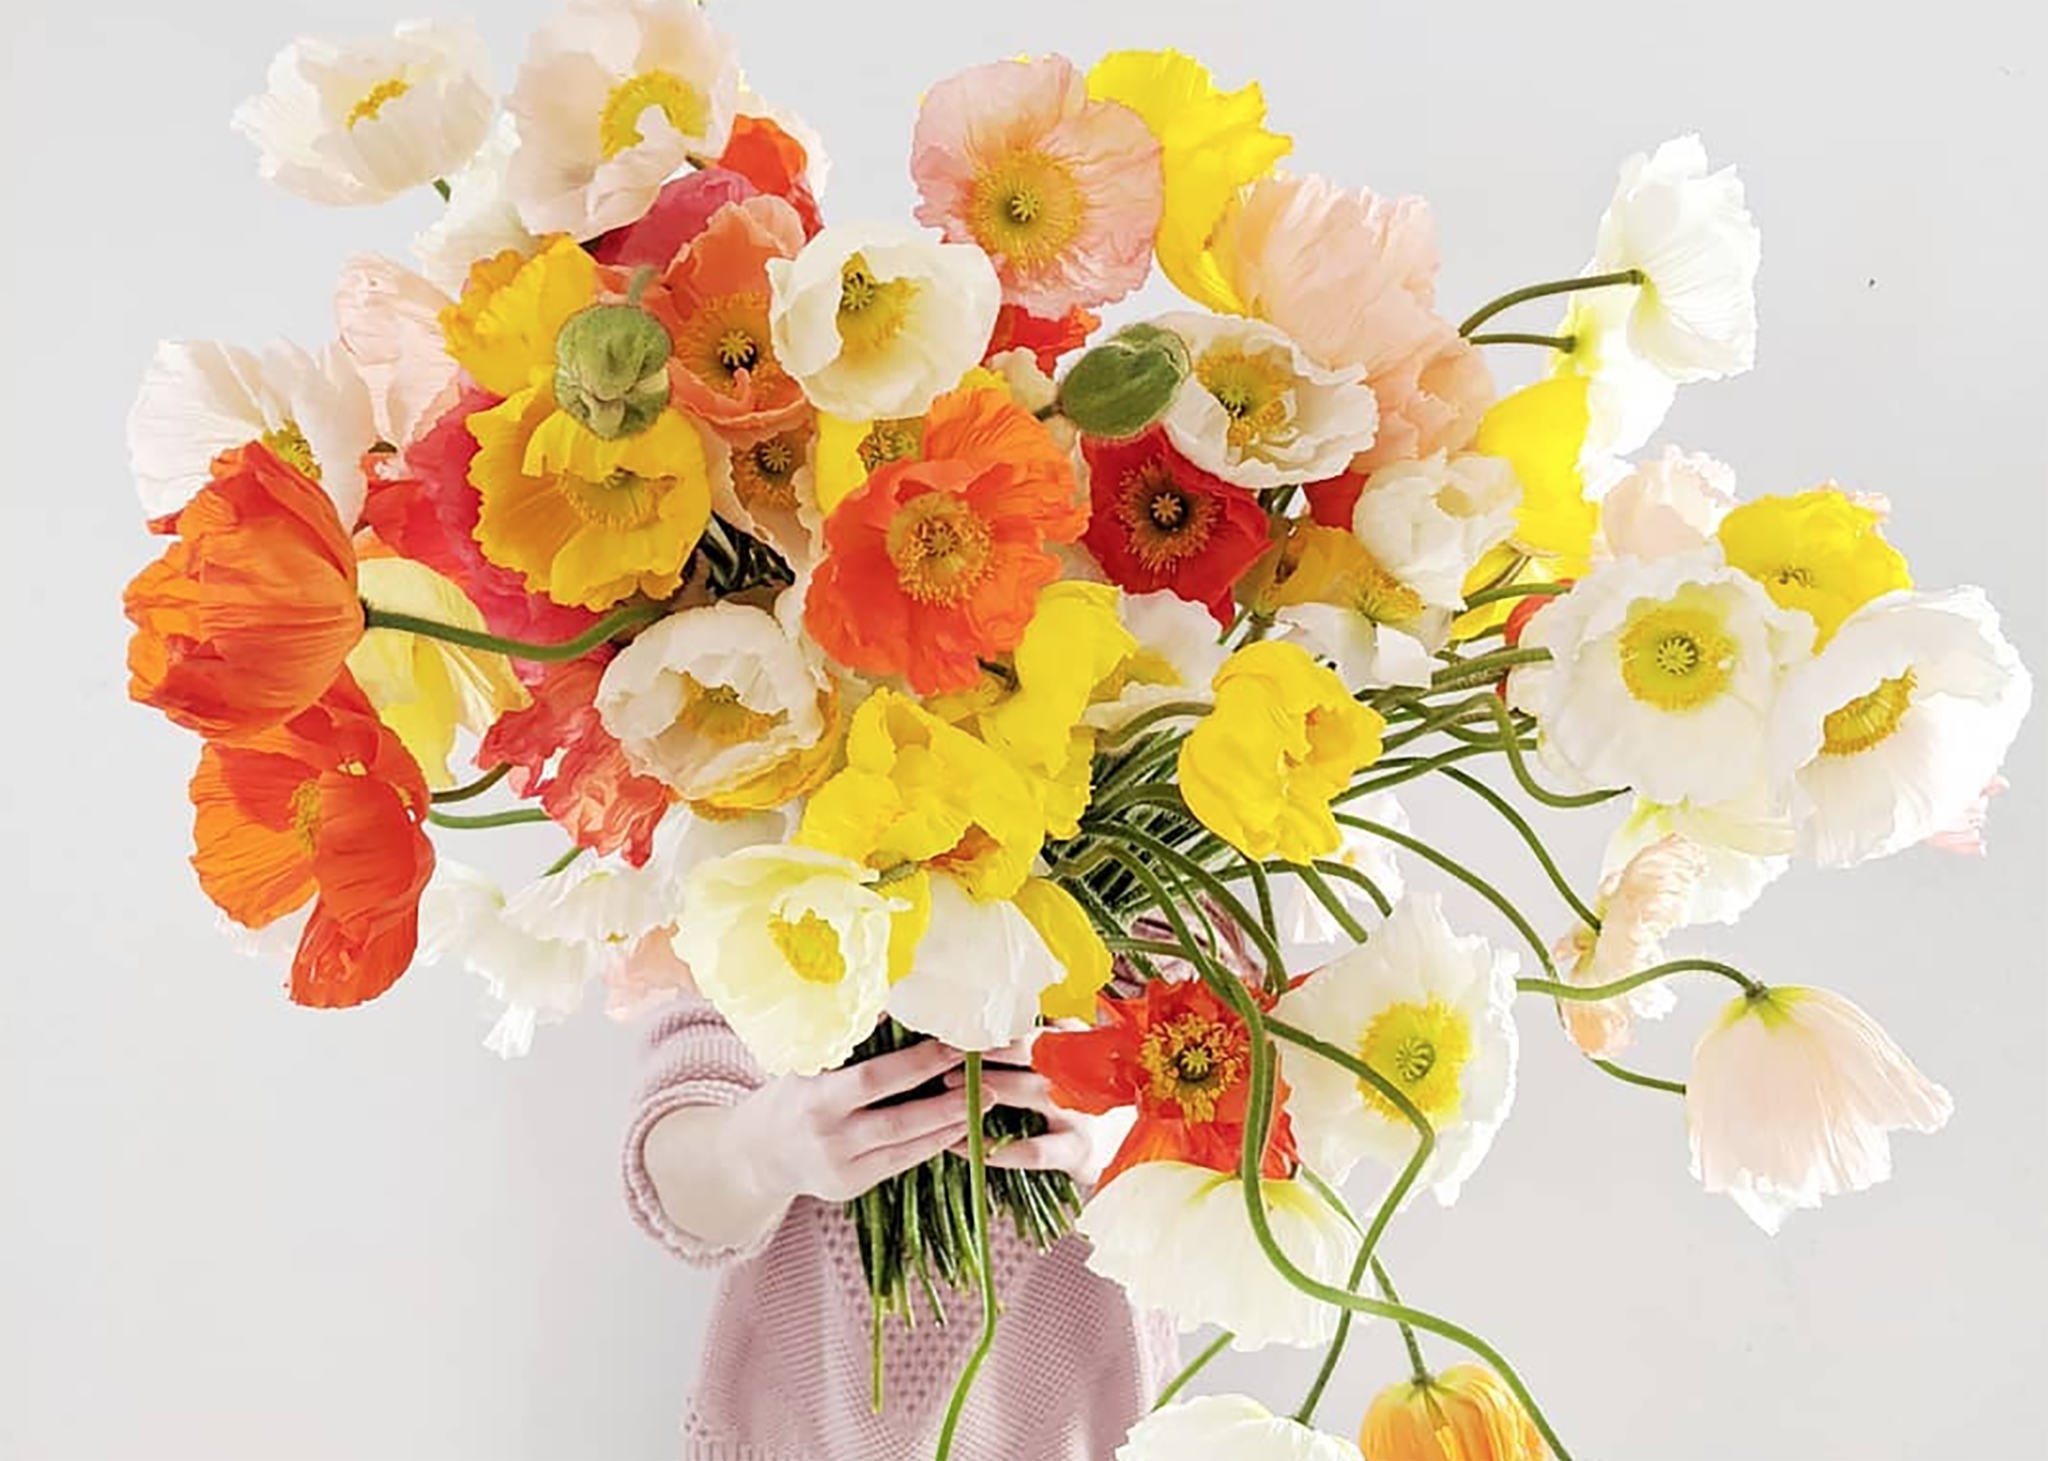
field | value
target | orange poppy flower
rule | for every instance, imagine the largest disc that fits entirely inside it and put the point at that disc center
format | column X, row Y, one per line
column 935, row 561
column 1183, row 1058
column 246, row 619
column 326, row 807
column 1047, row 340
column 766, row 154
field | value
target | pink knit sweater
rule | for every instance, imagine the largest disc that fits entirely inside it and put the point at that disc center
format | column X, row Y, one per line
column 785, row 1370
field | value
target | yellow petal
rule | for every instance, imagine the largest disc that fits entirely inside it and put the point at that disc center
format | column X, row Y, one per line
column 502, row 330
column 1064, row 926
column 839, row 467
column 1541, row 430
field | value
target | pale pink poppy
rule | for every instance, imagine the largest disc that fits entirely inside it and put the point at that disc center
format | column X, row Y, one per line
column 390, row 323
column 1965, row 836
column 1639, row 906
column 647, row 978
column 1062, row 193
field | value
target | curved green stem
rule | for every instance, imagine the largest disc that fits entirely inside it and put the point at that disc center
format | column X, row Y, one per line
column 1327, row 896
column 1591, row 993
column 1566, row 343
column 1470, row 879
column 1512, row 591
column 1410, row 769
column 1416, row 1367
column 1193, row 1368
column 1528, row 834
column 513, row 818
column 977, row 1187
column 614, row 623
column 1528, row 292
column 471, row 789
column 1637, row 1078
column 1254, row 929
column 1511, row 743
column 563, row 863
column 1480, row 668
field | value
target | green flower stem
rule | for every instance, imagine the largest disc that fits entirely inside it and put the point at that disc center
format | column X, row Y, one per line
column 1566, row 343
column 1528, row 834
column 1193, row 1368
column 1405, row 769
column 562, row 863
column 630, row 617
column 1511, row 742
column 1589, row 993
column 471, row 789
column 1258, row 930
column 1470, row 879
column 977, row 1169
column 513, row 818
column 1512, row 591
column 1146, row 719
column 441, row 187
column 1352, row 875
column 1312, row 877
column 1416, row 1367
column 1637, row 1078
column 1484, row 667
column 1539, row 291
column 1435, row 718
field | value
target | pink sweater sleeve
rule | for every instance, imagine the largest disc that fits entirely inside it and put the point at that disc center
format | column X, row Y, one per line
column 692, row 1058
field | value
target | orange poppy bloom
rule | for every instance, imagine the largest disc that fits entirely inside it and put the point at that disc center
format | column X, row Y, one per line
column 246, row 619
column 768, row 156
column 326, row 807
column 1467, row 1413
column 1183, row 1058
column 1047, row 340
column 935, row 561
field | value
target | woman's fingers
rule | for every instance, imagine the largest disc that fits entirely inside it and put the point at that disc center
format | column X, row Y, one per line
column 893, row 1161
column 1023, row 1088
column 874, row 1130
column 1055, row 1151
column 889, row 1075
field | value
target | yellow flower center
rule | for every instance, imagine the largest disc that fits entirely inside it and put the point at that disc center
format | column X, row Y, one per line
column 1193, row 1062
column 1868, row 719
column 682, row 105
column 373, row 100
column 1676, row 657
column 810, row 944
column 306, row 814
column 763, row 475
column 1422, row 1049
column 726, row 336
column 872, row 312
column 290, row 445
column 1254, row 392
column 1025, row 208
column 891, row 440
column 717, row 713
column 1165, row 521
column 941, row 547
column 622, row 500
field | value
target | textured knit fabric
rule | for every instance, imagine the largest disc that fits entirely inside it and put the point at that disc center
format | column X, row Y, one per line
column 785, row 1373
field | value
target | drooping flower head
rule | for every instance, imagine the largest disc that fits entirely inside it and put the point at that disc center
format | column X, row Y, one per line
column 359, row 123
column 1645, row 900
column 326, row 808
column 1819, row 552
column 248, row 616
column 1429, row 1010
column 1161, row 522
column 1792, row 1098
column 876, row 322
column 937, row 559
column 1214, row 1427
column 614, row 99
column 1061, row 192
column 1465, row 1413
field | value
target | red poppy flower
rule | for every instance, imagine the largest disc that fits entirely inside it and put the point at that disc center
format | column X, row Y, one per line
column 1183, row 1059
column 326, row 807
column 1333, row 501
column 1160, row 521
column 1047, row 340
column 592, row 791
column 681, row 210
column 249, row 616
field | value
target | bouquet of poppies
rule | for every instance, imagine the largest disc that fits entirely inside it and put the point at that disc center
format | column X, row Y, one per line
column 904, row 652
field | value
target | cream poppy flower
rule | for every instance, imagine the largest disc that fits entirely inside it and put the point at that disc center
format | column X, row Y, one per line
column 480, row 219
column 1228, row 1428
column 1893, row 731
column 722, row 704
column 347, row 124
column 390, row 321
column 1179, row 652
column 1792, row 1097
column 1669, row 505
column 1431, row 1011
column 1429, row 522
column 1627, row 398
column 1308, row 931
column 876, row 321
column 1637, row 907
column 1690, row 231
column 200, row 398
column 792, row 946
column 1744, row 846
column 1178, row 1238
column 1663, row 677
column 977, row 973
column 615, row 98
column 1365, row 653
column 1255, row 410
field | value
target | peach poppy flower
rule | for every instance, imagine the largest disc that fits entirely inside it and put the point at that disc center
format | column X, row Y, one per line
column 1467, row 1413
column 1639, row 905
column 327, row 807
column 1062, row 193
column 247, row 618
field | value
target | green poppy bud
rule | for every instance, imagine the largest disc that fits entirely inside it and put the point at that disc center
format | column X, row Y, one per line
column 1123, row 385
column 611, row 369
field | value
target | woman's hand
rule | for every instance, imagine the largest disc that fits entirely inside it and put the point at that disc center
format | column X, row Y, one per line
column 1073, row 1142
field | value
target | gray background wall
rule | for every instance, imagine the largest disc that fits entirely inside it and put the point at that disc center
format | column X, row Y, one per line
column 229, row 1228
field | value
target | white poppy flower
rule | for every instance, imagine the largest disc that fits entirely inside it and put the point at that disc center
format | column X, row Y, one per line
column 1256, row 411
column 1690, row 232
column 1228, row 1428
column 792, row 946
column 1365, row 653
column 480, row 218
column 1637, row 907
column 1662, row 678
column 1893, row 731
column 1792, row 1098
column 1670, row 505
column 1178, row 1238
column 615, row 98
column 1309, row 932
column 346, row 124
column 1429, row 522
column 390, row 321
column 539, row 980
column 1179, row 652
column 1432, row 1012
column 1744, row 846
column 876, row 321
column 1627, row 398
column 200, row 398
column 976, row 976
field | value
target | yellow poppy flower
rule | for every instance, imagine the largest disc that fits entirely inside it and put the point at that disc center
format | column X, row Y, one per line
column 1817, row 552
column 1541, row 431
column 1467, row 1413
column 1064, row 926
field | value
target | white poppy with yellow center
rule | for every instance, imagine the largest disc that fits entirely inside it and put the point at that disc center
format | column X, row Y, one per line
column 1662, row 677
column 615, row 98
column 1427, row 523
column 1256, row 411
column 1179, row 652
column 1899, row 724
column 1431, row 1011
column 978, row 972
